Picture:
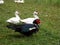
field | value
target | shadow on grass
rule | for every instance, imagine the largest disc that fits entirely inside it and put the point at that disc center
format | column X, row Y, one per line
column 16, row 36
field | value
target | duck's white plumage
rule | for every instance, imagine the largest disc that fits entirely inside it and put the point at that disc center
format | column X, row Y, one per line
column 1, row 1
column 30, row 20
column 19, row 1
column 14, row 20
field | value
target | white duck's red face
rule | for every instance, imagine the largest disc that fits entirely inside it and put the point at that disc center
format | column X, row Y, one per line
column 37, row 21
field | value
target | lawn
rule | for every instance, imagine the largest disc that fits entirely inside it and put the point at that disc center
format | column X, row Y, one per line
column 49, row 13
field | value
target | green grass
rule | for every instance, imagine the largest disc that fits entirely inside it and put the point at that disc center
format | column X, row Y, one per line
column 49, row 33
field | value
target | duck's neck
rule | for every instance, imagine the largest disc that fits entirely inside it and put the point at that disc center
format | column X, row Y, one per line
column 17, row 16
column 35, row 16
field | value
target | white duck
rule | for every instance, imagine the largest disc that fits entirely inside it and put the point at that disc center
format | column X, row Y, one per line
column 1, row 1
column 31, row 20
column 14, row 20
column 19, row 1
